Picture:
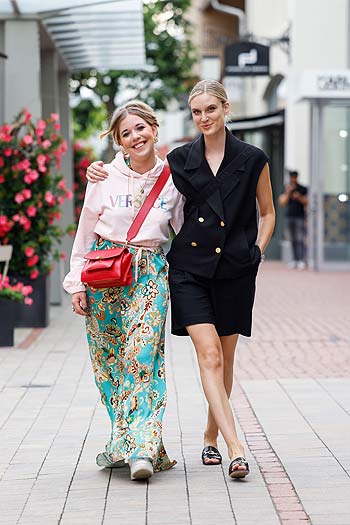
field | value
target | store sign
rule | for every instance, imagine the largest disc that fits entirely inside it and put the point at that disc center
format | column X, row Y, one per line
column 247, row 59
column 333, row 82
column 324, row 84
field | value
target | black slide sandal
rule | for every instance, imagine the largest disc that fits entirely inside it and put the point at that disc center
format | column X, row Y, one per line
column 211, row 453
column 238, row 473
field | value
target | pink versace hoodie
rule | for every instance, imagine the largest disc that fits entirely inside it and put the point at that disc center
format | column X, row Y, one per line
column 110, row 207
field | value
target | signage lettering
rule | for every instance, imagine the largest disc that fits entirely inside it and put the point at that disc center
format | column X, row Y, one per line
column 333, row 82
column 246, row 58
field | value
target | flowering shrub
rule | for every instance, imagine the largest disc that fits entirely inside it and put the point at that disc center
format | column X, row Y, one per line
column 83, row 156
column 32, row 192
column 16, row 292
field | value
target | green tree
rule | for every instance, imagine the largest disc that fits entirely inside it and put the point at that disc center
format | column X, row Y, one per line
column 88, row 117
column 169, row 56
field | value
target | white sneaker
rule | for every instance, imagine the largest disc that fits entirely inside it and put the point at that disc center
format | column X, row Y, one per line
column 301, row 265
column 140, row 468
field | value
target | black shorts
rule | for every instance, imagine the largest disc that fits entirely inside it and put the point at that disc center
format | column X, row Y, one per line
column 226, row 303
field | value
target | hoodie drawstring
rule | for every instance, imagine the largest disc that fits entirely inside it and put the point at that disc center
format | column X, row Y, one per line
column 138, row 259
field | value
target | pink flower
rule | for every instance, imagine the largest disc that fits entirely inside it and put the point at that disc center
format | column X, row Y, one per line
column 1, row 162
column 32, row 260
column 69, row 194
column 5, row 138
column 60, row 199
column 26, row 290
column 27, row 139
column 63, row 256
column 16, row 218
column 46, row 144
column 49, row 198
column 34, row 175
column 63, row 147
column 56, row 125
column 31, row 211
column 41, row 158
column 25, row 223
column 23, row 165
column 29, row 251
column 27, row 193
column 40, row 127
column 6, row 128
column 5, row 225
column 2, row 179
column 31, row 176
column 19, row 198
column 62, row 184
column 34, row 274
column 28, row 300
column 8, row 152
column 54, row 117
column 27, row 116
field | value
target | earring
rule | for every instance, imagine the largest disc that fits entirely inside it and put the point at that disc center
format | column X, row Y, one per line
column 123, row 150
column 155, row 139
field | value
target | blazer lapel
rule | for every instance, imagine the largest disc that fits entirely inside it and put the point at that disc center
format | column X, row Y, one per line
column 202, row 179
column 236, row 154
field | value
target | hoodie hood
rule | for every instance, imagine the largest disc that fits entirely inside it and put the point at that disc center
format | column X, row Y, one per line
column 119, row 163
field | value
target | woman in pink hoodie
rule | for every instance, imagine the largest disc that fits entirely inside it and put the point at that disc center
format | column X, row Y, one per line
column 125, row 325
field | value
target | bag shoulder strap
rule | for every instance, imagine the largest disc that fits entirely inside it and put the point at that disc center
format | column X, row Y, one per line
column 148, row 203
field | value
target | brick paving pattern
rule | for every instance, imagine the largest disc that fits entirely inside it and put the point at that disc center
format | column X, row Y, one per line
column 291, row 397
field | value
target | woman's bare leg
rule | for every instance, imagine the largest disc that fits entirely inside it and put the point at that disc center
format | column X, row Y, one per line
column 228, row 345
column 211, row 365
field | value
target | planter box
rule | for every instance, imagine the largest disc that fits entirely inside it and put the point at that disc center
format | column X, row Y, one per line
column 37, row 314
column 7, row 322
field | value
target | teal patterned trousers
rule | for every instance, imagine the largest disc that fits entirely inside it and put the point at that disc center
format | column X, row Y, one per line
column 126, row 333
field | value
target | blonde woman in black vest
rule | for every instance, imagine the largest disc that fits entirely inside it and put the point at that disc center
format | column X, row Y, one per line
column 215, row 257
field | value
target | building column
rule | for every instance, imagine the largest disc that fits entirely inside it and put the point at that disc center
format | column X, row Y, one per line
column 50, row 104
column 2, row 71
column 22, row 68
column 67, row 160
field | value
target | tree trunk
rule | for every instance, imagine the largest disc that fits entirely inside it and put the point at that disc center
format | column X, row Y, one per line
column 109, row 153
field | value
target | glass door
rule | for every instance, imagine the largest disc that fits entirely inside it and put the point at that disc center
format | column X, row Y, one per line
column 336, row 183
column 329, row 206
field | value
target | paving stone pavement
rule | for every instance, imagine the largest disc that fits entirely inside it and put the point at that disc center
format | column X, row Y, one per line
column 291, row 398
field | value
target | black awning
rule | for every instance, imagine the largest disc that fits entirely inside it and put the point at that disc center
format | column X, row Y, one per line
column 258, row 122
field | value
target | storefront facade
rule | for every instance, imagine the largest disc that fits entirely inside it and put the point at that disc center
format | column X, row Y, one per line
column 328, row 95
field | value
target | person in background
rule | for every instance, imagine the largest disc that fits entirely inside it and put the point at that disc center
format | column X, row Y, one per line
column 214, row 258
column 295, row 200
column 125, row 325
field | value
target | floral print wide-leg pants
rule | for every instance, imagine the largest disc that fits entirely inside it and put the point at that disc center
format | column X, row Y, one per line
column 126, row 333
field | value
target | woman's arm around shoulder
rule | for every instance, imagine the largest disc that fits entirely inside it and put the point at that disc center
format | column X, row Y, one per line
column 96, row 172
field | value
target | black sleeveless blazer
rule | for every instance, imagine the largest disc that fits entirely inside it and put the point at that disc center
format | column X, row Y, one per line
column 218, row 236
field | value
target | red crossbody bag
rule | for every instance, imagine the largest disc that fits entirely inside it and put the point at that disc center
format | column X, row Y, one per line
column 113, row 267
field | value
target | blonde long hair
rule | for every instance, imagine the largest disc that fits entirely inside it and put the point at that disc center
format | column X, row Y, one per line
column 134, row 107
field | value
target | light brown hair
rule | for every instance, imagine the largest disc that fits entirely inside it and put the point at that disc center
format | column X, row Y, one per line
column 134, row 107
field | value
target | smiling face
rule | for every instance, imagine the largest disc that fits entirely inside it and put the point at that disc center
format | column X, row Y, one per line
column 208, row 113
column 137, row 137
